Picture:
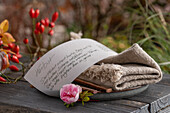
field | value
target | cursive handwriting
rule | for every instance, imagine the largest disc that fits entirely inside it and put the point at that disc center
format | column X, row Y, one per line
column 43, row 65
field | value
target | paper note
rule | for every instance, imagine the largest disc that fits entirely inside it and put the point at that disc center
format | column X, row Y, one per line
column 64, row 63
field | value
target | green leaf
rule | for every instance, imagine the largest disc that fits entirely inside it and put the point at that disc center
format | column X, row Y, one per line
column 86, row 99
column 85, row 92
column 89, row 94
column 72, row 104
column 82, row 103
column 82, row 95
column 68, row 105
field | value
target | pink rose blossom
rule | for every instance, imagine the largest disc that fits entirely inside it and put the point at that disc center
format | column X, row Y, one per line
column 69, row 93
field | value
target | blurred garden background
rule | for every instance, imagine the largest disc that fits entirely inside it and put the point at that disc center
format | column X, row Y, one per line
column 115, row 23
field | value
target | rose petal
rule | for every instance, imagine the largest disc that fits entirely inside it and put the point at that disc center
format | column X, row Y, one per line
column 80, row 89
column 69, row 93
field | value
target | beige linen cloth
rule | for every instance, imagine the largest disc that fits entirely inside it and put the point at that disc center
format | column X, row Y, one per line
column 129, row 69
column 133, row 67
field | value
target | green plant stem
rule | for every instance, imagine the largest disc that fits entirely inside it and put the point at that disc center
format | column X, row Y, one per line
column 41, row 49
column 5, row 82
column 3, row 75
column 41, row 42
column 10, row 73
column 17, row 79
column 34, row 36
column 23, row 67
column 33, row 60
column 11, row 78
column 142, row 8
column 23, row 70
column 49, row 42
column 141, row 42
column 164, row 63
column 29, row 49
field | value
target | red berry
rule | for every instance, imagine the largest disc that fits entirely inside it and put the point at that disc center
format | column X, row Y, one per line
column 14, row 59
column 2, row 79
column 46, row 21
column 5, row 47
column 42, row 21
column 13, row 68
column 37, row 12
column 11, row 45
column 1, row 42
column 42, row 28
column 18, row 56
column 32, row 13
column 55, row 16
column 52, row 24
column 51, row 32
column 26, row 41
column 36, row 31
column 5, row 62
column 16, row 49
column 38, row 58
column 9, row 56
column 38, row 24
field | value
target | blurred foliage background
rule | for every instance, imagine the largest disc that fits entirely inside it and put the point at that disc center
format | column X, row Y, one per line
column 115, row 23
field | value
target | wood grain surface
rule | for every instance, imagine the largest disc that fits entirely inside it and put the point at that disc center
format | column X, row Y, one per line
column 20, row 98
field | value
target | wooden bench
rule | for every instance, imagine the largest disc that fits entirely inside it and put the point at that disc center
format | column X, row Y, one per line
column 20, row 98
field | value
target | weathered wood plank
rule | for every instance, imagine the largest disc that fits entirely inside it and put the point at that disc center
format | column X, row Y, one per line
column 124, row 102
column 6, row 108
column 159, row 104
column 118, row 108
column 143, row 109
column 20, row 97
column 21, row 94
column 165, row 110
column 165, row 80
column 154, row 91
column 157, row 95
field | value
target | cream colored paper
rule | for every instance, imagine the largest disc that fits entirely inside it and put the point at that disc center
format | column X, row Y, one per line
column 64, row 63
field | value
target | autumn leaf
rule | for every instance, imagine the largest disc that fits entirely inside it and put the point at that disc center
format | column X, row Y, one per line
column 4, row 25
column 7, row 51
column 7, row 38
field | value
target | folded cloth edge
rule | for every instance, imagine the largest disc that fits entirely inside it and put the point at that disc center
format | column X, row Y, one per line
column 110, row 72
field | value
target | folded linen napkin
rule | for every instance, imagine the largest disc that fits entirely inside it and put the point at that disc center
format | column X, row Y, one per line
column 128, row 69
